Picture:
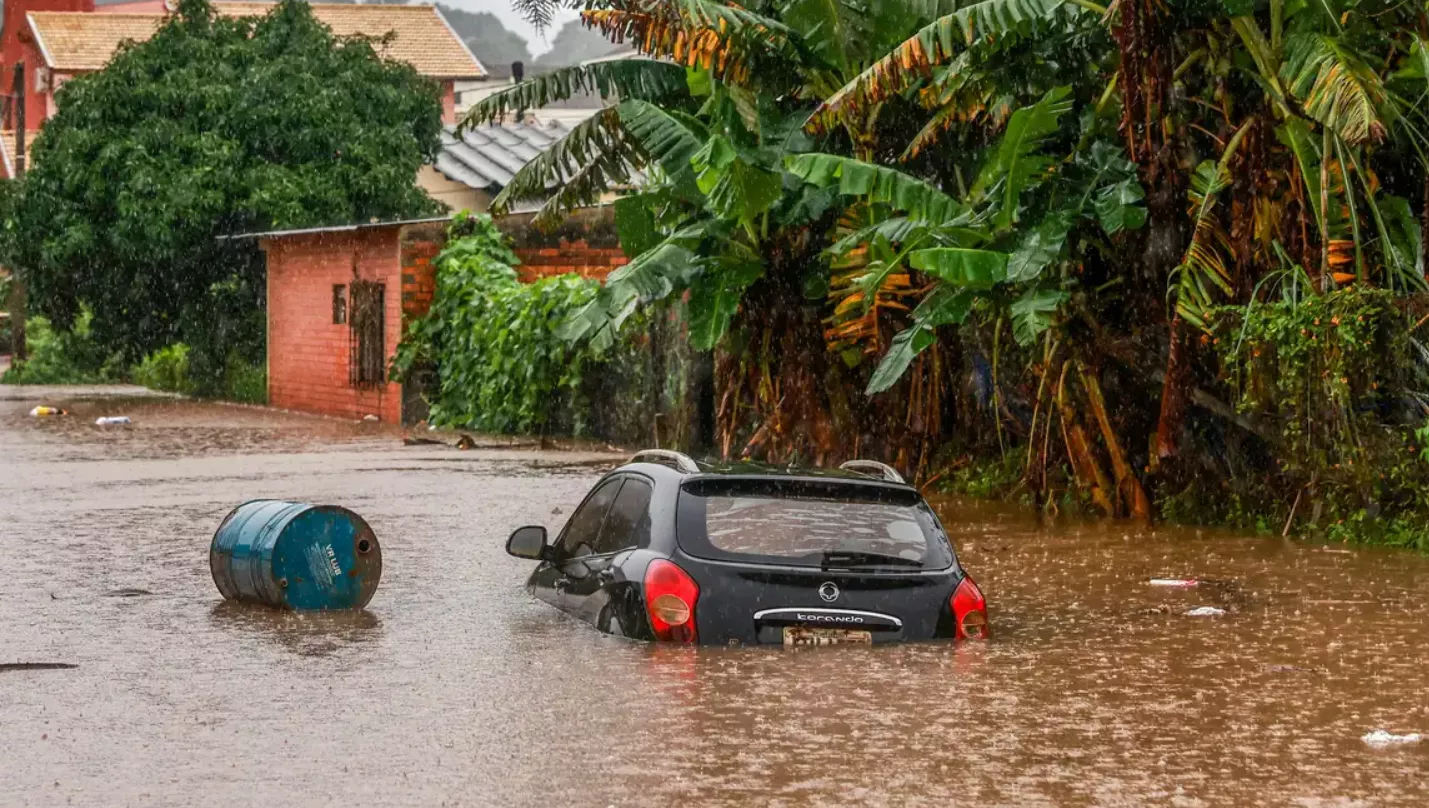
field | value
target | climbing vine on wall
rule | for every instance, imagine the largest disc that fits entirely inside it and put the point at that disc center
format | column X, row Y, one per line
column 499, row 365
column 1320, row 369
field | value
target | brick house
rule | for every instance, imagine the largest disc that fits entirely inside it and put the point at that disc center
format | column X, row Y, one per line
column 340, row 298
column 57, row 40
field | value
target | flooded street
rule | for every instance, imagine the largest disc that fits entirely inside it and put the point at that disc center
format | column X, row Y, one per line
column 456, row 688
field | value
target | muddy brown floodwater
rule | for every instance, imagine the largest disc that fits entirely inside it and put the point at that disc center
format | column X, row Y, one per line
column 456, row 688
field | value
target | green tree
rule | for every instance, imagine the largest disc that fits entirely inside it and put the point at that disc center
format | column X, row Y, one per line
column 1055, row 222
column 573, row 44
column 493, row 43
column 212, row 128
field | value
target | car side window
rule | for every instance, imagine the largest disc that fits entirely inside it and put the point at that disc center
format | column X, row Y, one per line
column 581, row 532
column 628, row 523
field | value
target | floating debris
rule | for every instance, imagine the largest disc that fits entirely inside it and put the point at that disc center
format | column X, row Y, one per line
column 36, row 666
column 295, row 556
column 1380, row 737
column 1206, row 611
column 46, row 412
column 1184, row 583
column 112, row 420
column 127, row 592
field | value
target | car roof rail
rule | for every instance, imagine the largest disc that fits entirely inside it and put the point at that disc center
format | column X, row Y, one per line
column 873, row 468
column 665, row 457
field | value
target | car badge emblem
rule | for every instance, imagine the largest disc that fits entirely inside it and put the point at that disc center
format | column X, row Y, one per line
column 829, row 592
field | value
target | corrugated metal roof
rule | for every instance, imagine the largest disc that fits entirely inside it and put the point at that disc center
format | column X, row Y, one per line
column 338, row 228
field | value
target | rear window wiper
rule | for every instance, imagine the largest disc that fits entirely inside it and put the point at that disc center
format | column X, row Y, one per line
column 855, row 558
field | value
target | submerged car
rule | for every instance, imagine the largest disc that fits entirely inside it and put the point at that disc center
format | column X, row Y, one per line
column 666, row 549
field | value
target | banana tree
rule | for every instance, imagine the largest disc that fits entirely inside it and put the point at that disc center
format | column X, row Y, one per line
column 743, row 233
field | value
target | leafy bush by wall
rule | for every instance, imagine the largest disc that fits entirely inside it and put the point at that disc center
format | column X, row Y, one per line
column 64, row 357
column 245, row 382
column 500, row 366
column 1331, row 384
column 166, row 369
column 171, row 369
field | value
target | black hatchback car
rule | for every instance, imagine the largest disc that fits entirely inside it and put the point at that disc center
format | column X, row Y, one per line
column 667, row 549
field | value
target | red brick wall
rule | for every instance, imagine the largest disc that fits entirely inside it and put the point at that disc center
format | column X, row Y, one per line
column 419, row 247
column 449, row 102
column 308, row 354
column 570, row 256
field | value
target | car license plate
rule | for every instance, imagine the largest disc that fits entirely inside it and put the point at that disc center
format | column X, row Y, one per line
column 795, row 636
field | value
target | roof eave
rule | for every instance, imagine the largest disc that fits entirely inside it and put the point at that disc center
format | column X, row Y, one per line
column 481, row 68
column 339, row 228
column 40, row 41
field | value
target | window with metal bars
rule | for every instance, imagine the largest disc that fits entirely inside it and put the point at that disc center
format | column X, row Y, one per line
column 367, row 365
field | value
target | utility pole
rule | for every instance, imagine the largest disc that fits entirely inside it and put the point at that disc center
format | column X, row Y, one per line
column 16, row 303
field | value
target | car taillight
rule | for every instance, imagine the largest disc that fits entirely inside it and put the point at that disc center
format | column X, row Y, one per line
column 670, row 595
column 970, row 611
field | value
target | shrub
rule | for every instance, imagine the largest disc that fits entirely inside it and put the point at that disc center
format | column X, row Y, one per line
column 64, row 357
column 166, row 369
column 244, row 382
column 171, row 369
column 500, row 365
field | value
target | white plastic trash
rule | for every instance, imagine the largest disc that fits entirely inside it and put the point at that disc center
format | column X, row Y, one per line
column 1175, row 582
column 1206, row 611
column 112, row 420
column 1381, row 738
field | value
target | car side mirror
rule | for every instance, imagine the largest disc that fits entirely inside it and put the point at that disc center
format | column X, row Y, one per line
column 528, row 542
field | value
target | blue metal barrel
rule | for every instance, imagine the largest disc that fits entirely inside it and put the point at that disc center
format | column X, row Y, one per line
column 295, row 556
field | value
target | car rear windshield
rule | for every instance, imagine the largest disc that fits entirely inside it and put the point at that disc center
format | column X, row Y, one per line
column 828, row 524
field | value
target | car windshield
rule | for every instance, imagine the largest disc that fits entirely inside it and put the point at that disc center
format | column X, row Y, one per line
column 811, row 524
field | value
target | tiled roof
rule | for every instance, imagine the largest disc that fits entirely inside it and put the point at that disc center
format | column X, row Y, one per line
column 80, row 41
column 76, row 41
column 7, row 151
column 487, row 157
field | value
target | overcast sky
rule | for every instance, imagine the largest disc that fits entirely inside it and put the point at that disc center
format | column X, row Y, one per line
column 540, row 43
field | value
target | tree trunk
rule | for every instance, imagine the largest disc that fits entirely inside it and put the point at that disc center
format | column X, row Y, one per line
column 1085, row 469
column 1175, row 393
column 16, row 305
column 1128, row 487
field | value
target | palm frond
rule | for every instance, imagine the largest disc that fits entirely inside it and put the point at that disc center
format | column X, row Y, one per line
column 1202, row 270
column 669, row 138
column 1335, row 86
column 653, row 275
column 895, row 229
column 540, row 13
column 987, row 22
column 1016, row 160
column 951, row 113
column 724, row 39
column 595, row 155
column 622, row 79
column 945, row 305
column 877, row 183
